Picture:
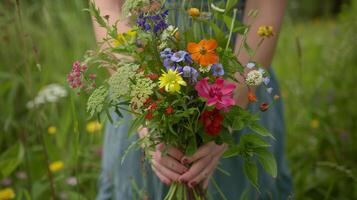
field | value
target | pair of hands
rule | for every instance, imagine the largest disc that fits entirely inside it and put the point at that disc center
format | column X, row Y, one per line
column 173, row 166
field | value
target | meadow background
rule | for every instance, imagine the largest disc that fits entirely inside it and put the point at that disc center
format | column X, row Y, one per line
column 56, row 150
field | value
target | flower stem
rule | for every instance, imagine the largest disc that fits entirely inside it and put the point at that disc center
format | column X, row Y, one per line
column 231, row 28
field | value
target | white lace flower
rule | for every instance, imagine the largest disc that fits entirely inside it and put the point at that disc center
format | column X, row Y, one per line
column 254, row 78
column 49, row 94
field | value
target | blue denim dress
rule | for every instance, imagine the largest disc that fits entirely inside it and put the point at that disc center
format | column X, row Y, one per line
column 134, row 178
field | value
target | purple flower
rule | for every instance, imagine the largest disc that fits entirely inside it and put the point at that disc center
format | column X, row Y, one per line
column 188, row 58
column 179, row 56
column 169, row 64
column 217, row 70
column 266, row 80
column 157, row 21
column 166, row 53
column 190, row 73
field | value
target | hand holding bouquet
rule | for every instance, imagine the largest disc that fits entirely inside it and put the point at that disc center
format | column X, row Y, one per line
column 179, row 83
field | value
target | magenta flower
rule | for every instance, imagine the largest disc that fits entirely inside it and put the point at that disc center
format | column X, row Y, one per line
column 219, row 94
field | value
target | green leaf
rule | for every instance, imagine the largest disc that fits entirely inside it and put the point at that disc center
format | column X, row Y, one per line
column 191, row 147
column 251, row 171
column 10, row 159
column 254, row 141
column 220, row 35
column 134, row 125
column 267, row 160
column 249, row 50
column 230, row 4
column 260, row 130
column 232, row 151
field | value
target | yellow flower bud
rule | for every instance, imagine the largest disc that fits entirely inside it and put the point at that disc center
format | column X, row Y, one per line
column 52, row 130
column 194, row 12
column 265, row 31
column 56, row 166
column 7, row 193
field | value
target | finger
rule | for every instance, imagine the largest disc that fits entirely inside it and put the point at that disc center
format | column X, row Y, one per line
column 162, row 177
column 173, row 176
column 206, row 181
column 172, row 151
column 170, row 163
column 201, row 152
column 195, row 169
column 210, row 148
column 205, row 172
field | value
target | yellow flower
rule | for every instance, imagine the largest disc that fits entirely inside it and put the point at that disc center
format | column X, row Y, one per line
column 52, row 130
column 131, row 33
column 7, row 193
column 315, row 124
column 122, row 38
column 56, row 166
column 194, row 12
column 265, row 31
column 93, row 126
column 171, row 81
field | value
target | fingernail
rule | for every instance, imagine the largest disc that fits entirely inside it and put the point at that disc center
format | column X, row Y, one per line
column 192, row 184
column 184, row 161
column 181, row 180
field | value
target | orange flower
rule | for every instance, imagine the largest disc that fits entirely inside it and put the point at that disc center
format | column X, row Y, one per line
column 204, row 52
column 251, row 97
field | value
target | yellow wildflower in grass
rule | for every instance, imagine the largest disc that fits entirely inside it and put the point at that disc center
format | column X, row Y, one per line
column 171, row 81
column 7, row 193
column 193, row 12
column 56, row 166
column 265, row 31
column 93, row 126
column 123, row 38
column 315, row 123
column 52, row 130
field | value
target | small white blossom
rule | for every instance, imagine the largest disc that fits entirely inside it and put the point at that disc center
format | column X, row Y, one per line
column 250, row 65
column 49, row 94
column 254, row 78
column 204, row 69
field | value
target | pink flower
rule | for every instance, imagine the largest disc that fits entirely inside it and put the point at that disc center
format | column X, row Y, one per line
column 219, row 94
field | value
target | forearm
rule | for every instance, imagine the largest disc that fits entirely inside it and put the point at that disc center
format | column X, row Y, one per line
column 111, row 8
column 270, row 13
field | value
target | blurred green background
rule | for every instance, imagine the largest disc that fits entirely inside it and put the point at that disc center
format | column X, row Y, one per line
column 315, row 61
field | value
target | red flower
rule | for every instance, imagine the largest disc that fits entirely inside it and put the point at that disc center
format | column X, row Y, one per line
column 212, row 121
column 153, row 106
column 149, row 116
column 251, row 97
column 152, row 76
column 264, row 106
column 148, row 101
column 169, row 110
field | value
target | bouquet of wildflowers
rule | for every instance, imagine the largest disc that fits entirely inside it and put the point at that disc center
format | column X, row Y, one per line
column 179, row 82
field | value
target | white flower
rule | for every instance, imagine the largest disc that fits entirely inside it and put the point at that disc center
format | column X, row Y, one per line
column 254, row 78
column 205, row 69
column 250, row 65
column 49, row 94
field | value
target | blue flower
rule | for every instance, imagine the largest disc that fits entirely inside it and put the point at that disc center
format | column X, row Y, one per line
column 168, row 64
column 179, row 56
column 217, row 70
column 158, row 22
column 166, row 53
column 190, row 73
column 188, row 58
column 266, row 80
column 270, row 90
